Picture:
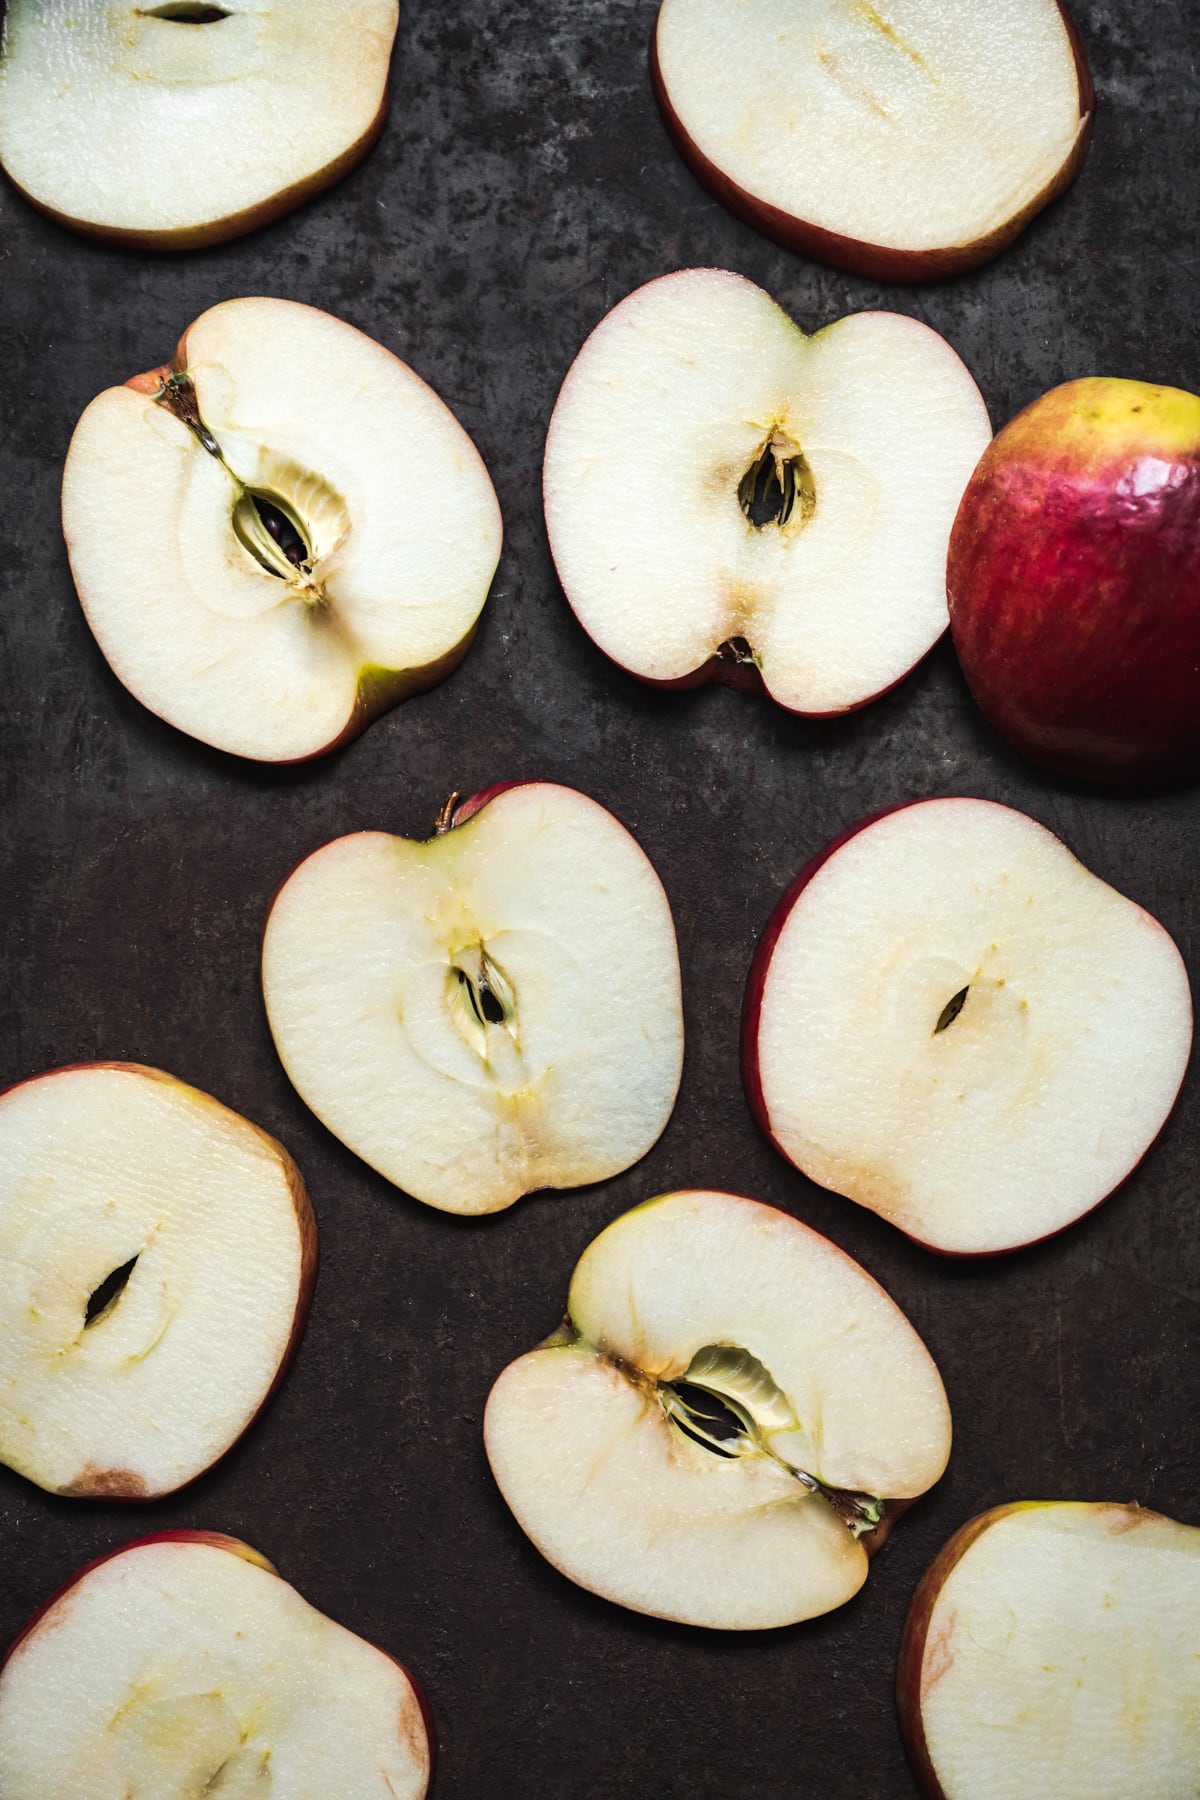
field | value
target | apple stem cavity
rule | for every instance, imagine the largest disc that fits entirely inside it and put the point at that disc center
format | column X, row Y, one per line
column 778, row 485
column 104, row 1299
column 951, row 1009
column 178, row 395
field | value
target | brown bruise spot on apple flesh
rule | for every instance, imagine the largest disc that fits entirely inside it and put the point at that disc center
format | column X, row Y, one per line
column 939, row 1655
column 93, row 1483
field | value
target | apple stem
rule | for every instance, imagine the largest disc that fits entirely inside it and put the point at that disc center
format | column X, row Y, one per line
column 178, row 395
column 445, row 819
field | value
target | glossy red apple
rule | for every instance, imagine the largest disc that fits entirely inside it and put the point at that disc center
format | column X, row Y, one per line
column 1074, row 582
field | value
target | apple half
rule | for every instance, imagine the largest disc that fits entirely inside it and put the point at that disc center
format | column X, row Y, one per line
column 1053, row 1649
column 491, row 1011
column 157, row 1257
column 906, row 140
column 722, row 1428
column 183, row 1665
column 1074, row 582
column 954, row 1023
column 180, row 123
column 729, row 499
column 279, row 535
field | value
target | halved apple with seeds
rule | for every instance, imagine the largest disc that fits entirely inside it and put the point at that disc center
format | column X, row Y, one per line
column 1053, row 1648
column 182, row 1665
column 180, row 123
column 493, row 1010
column 729, row 499
column 950, row 1020
column 157, row 1257
column 726, row 1422
column 279, row 535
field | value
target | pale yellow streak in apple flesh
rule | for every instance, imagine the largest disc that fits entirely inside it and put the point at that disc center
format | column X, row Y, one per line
column 405, row 526
column 374, row 1031
column 98, row 1166
column 1045, row 1090
column 666, row 407
column 124, row 121
column 1063, row 1658
column 623, row 1503
column 175, row 1661
column 914, row 124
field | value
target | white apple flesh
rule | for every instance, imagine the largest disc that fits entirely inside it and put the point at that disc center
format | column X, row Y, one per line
column 157, row 1257
column 726, row 496
column 182, row 1665
column 907, row 140
column 491, row 1011
column 714, row 1434
column 1053, row 1649
column 279, row 536
column 179, row 123
column 953, row 1022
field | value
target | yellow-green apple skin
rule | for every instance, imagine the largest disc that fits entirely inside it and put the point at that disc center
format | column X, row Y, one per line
column 1074, row 582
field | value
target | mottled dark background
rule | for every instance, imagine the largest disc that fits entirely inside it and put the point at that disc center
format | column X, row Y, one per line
column 523, row 184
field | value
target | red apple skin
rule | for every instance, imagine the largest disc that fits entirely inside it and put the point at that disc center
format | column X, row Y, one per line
column 756, row 982
column 1073, row 580
column 217, row 1540
column 122, row 1484
column 878, row 261
column 910, row 1684
column 218, row 231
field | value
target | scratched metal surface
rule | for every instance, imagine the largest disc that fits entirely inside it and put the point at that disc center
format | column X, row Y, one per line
column 523, row 184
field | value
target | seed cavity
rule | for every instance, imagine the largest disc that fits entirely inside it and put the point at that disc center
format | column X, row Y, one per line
column 778, row 487
column 952, row 1009
column 728, row 1402
column 272, row 532
column 185, row 12
column 104, row 1299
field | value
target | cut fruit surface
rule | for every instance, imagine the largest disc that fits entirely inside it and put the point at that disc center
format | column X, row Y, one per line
column 953, row 1022
column 725, row 495
column 1053, row 1649
column 157, row 1257
column 181, row 1666
column 177, row 124
column 717, row 1430
column 489, row 1012
column 906, row 140
column 280, row 537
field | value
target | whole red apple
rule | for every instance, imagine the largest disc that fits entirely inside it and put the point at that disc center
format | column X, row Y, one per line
column 1074, row 582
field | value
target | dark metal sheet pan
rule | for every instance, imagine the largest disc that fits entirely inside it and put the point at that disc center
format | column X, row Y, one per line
column 523, row 184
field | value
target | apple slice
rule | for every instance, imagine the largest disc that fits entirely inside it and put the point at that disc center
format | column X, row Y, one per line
column 157, row 1257
column 727, row 498
column 281, row 535
column 906, row 140
column 180, row 123
column 183, row 1665
column 1074, row 582
column 1053, row 1649
column 489, row 1012
column 953, row 1022
column 716, row 1432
